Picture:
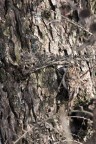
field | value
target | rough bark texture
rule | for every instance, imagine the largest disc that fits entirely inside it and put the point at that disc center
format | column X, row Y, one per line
column 47, row 71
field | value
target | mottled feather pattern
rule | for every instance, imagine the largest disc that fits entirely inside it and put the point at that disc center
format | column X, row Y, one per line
column 72, row 81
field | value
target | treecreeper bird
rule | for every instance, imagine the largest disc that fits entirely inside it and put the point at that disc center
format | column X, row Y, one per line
column 71, row 81
column 74, row 80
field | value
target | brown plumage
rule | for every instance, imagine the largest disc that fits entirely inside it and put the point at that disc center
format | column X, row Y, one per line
column 71, row 81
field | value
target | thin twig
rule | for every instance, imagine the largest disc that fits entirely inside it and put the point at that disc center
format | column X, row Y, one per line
column 23, row 135
column 83, row 111
column 59, row 62
column 87, row 71
column 72, row 22
column 76, row 24
column 73, row 141
column 80, row 118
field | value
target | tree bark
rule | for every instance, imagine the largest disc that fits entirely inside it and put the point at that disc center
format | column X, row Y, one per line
column 38, row 42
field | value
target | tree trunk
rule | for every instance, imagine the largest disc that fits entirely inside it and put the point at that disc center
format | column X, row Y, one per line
column 46, row 69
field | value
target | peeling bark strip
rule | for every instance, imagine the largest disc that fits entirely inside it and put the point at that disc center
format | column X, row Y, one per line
column 47, row 59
